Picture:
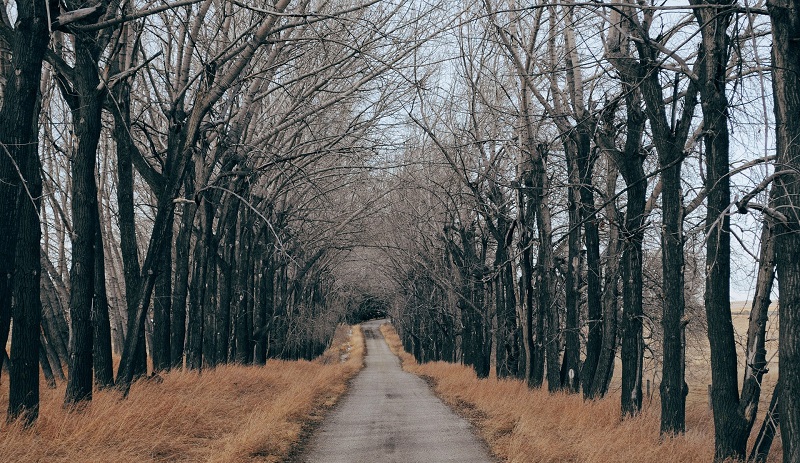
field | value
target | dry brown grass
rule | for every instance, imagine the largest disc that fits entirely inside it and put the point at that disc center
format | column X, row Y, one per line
column 526, row 425
column 229, row 414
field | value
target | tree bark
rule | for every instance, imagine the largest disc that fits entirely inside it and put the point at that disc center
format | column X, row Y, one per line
column 86, row 110
column 769, row 428
column 731, row 429
column 103, row 362
column 210, row 290
column 594, row 307
column 162, row 302
column 127, row 217
column 194, row 334
column 570, row 368
column 608, row 348
column 181, row 288
column 669, row 141
column 20, row 232
column 785, row 17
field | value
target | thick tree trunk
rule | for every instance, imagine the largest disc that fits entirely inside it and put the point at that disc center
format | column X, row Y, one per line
column 86, row 110
column 507, row 349
column 527, row 221
column 533, row 205
column 731, row 429
column 669, row 141
column 26, row 310
column 240, row 297
column 785, row 16
column 673, row 397
column 551, row 338
column 19, row 207
column 629, row 161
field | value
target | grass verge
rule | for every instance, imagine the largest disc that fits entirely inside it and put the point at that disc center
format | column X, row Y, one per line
column 229, row 414
column 531, row 425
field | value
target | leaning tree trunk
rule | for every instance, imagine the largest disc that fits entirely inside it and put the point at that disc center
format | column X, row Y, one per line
column 785, row 16
column 755, row 352
column 769, row 428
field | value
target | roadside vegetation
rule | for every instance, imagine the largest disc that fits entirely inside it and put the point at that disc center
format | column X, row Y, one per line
column 521, row 424
column 232, row 413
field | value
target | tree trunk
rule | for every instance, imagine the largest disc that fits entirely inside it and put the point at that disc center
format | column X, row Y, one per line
column 225, row 265
column 769, row 428
column 44, row 361
column 194, row 334
column 103, row 362
column 127, row 225
column 181, row 289
column 570, row 369
column 266, row 301
column 52, row 316
column 594, row 307
column 538, row 310
column 20, row 230
column 608, row 348
column 210, row 290
column 162, row 303
column 785, row 17
column 669, row 140
column 86, row 110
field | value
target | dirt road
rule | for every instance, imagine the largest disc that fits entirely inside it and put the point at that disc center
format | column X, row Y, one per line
column 392, row 416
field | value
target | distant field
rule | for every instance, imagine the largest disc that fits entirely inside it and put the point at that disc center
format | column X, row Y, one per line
column 698, row 358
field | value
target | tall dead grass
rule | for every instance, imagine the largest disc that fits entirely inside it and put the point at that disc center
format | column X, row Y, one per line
column 532, row 425
column 228, row 414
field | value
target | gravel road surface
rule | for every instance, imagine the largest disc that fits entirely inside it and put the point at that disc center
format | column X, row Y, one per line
column 390, row 415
